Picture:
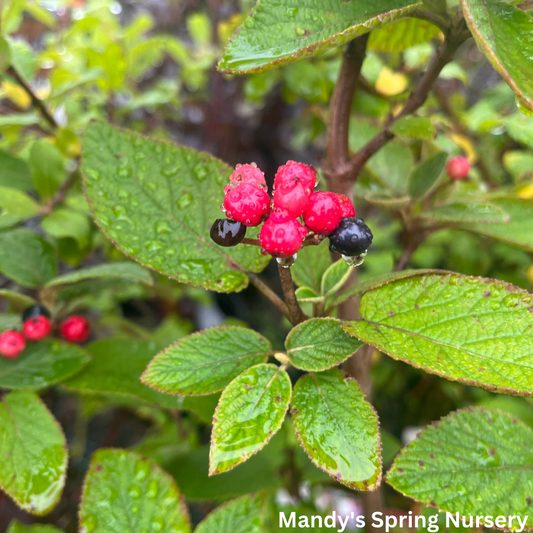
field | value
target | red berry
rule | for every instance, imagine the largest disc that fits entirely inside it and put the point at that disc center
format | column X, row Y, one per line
column 292, row 196
column 324, row 212
column 12, row 344
column 246, row 174
column 458, row 168
column 282, row 237
column 300, row 172
column 347, row 208
column 248, row 204
column 75, row 328
column 37, row 328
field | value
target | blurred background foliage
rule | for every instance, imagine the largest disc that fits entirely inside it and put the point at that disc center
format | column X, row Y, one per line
column 150, row 66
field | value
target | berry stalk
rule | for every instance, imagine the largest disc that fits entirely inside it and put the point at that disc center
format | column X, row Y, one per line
column 296, row 315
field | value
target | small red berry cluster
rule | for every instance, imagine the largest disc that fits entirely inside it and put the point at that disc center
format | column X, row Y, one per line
column 37, row 325
column 294, row 211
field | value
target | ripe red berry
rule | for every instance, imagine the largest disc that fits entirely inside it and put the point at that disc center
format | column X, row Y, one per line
column 246, row 174
column 75, row 328
column 458, row 168
column 37, row 328
column 292, row 196
column 347, row 208
column 324, row 212
column 248, row 204
column 12, row 344
column 281, row 236
column 300, row 172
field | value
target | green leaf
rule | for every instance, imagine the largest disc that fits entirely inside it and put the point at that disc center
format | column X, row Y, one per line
column 5, row 55
column 319, row 343
column 338, row 428
column 245, row 515
column 305, row 294
column 519, row 128
column 18, row 301
column 478, row 212
column 277, row 33
column 15, row 173
column 414, row 127
column 157, row 201
column 26, row 258
column 22, row 119
column 17, row 527
column 473, row 330
column 42, row 364
column 34, row 453
column 15, row 206
column 312, row 263
column 207, row 361
column 503, row 33
column 401, row 35
column 10, row 321
column 335, row 277
column 63, row 223
column 47, row 168
column 125, row 492
column 124, row 270
column 250, row 411
column 475, row 462
column 517, row 231
column 425, row 176
column 115, row 369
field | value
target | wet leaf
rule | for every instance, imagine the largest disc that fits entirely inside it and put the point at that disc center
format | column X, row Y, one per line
column 15, row 206
column 503, row 33
column 250, row 411
column 17, row 527
column 42, row 364
column 310, row 266
column 245, row 515
column 414, row 127
column 475, row 462
column 47, row 168
column 157, row 201
column 115, row 370
column 207, row 361
column 34, row 453
column 277, row 33
column 335, row 277
column 319, row 343
column 62, row 223
column 426, row 175
column 125, row 492
column 473, row 330
column 338, row 428
column 15, row 173
column 402, row 34
column 478, row 212
column 26, row 258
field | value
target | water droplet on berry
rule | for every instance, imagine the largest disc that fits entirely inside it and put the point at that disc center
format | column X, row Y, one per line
column 355, row 260
column 286, row 262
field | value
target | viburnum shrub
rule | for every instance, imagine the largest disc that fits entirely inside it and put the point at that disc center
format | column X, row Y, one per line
column 384, row 266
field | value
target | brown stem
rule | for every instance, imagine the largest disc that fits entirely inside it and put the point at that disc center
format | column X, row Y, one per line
column 253, row 242
column 287, row 285
column 59, row 196
column 262, row 287
column 35, row 100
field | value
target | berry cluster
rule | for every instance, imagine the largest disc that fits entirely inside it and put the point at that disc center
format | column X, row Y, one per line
column 294, row 212
column 37, row 325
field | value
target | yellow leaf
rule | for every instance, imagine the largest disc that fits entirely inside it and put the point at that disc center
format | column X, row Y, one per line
column 529, row 273
column 16, row 94
column 390, row 83
column 526, row 192
column 228, row 26
column 466, row 144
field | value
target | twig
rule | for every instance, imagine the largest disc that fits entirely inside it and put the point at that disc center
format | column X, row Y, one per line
column 287, row 285
column 35, row 100
column 262, row 287
column 59, row 196
column 428, row 16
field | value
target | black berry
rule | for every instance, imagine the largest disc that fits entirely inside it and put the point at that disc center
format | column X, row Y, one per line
column 227, row 232
column 352, row 237
column 34, row 311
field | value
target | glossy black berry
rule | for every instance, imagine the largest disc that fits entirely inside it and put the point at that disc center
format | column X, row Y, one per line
column 227, row 232
column 352, row 237
column 35, row 310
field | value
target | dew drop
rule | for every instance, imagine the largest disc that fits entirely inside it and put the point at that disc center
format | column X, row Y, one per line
column 355, row 260
column 162, row 227
column 135, row 492
column 286, row 262
column 141, row 471
column 201, row 172
column 153, row 489
column 90, row 523
column 185, row 201
column 158, row 524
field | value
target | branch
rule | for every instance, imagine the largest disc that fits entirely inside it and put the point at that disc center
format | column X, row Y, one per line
column 428, row 16
column 263, row 288
column 287, row 285
column 61, row 192
column 35, row 100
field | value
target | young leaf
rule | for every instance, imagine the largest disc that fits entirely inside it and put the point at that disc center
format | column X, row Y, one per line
column 307, row 295
column 473, row 462
column 42, row 364
column 17, row 527
column 34, row 453
column 115, row 369
column 125, row 492
column 312, row 263
column 401, row 35
column 15, row 173
column 245, row 515
column 477, row 212
column 207, row 361
column 426, row 175
column 16, row 299
column 15, row 206
column 319, row 343
column 47, row 168
column 335, row 277
column 302, row 30
column 250, row 411
column 414, row 127
column 338, row 428
column 503, row 33
column 473, row 330
column 158, row 204
column 26, row 258
column 62, row 223
column 121, row 270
